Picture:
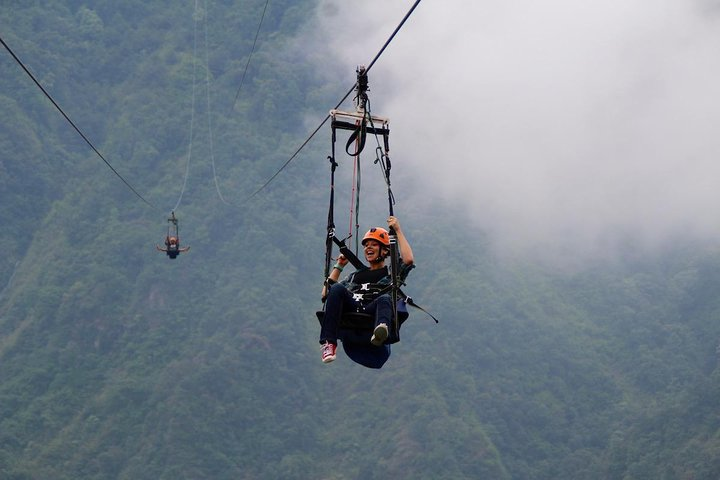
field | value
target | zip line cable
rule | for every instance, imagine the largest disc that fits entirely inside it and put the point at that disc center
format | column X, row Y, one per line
column 73, row 123
column 387, row 43
column 192, row 109
column 187, row 167
column 252, row 50
column 196, row 15
column 209, row 110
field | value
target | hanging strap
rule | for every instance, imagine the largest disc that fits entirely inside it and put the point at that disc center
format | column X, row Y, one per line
column 173, row 226
column 349, row 254
column 358, row 135
column 412, row 303
column 330, row 221
column 394, row 277
column 355, row 206
column 407, row 299
column 343, row 125
column 331, row 237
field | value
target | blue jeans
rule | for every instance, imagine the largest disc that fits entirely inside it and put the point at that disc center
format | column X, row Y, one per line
column 340, row 300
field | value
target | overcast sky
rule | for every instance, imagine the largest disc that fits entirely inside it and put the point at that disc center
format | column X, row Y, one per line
column 566, row 124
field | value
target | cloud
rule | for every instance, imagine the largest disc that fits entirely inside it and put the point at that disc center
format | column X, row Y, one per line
column 563, row 125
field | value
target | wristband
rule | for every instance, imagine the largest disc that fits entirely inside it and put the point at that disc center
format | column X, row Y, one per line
column 339, row 267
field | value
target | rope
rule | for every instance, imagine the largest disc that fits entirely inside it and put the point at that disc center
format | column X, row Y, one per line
column 209, row 111
column 192, row 108
column 382, row 157
column 196, row 16
column 10, row 280
column 355, row 197
column 252, row 50
column 59, row 109
column 292, row 157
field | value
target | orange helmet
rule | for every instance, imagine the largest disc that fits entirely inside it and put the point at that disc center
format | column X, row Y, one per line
column 378, row 234
column 173, row 240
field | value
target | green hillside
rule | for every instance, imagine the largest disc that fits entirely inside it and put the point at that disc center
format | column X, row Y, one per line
column 118, row 363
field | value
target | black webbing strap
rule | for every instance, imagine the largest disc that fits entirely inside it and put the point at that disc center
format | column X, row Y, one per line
column 412, row 303
column 407, row 299
column 331, row 211
column 331, row 237
column 352, row 258
column 341, row 125
column 358, row 136
column 394, row 278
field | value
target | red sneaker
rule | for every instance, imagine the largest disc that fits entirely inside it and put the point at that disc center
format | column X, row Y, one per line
column 328, row 352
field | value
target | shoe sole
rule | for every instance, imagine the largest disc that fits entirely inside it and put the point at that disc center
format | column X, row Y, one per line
column 380, row 334
column 327, row 358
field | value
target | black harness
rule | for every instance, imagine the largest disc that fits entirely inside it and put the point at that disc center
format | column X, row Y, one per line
column 361, row 123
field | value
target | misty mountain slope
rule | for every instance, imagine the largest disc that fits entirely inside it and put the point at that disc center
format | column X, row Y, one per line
column 117, row 362
column 25, row 196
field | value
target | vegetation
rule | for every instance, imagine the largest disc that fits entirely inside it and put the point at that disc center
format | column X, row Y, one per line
column 116, row 362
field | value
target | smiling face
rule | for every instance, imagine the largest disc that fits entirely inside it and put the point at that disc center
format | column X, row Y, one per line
column 374, row 251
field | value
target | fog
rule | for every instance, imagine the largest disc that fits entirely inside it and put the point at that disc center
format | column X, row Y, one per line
column 560, row 126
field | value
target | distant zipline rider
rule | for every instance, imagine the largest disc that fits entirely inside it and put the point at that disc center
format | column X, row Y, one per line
column 172, row 239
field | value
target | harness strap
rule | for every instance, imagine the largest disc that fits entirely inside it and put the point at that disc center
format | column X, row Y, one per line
column 360, row 135
column 345, row 250
column 173, row 230
column 407, row 299
column 330, row 221
column 412, row 303
column 343, row 125
column 394, row 277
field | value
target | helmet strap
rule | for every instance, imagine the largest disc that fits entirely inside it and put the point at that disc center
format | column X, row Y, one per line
column 382, row 256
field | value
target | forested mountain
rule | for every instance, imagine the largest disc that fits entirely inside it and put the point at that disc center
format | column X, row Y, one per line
column 116, row 362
